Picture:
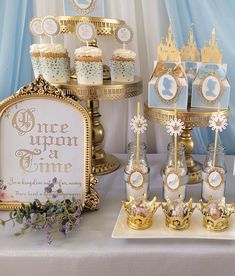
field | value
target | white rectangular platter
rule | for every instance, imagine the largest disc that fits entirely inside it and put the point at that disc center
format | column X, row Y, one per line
column 159, row 230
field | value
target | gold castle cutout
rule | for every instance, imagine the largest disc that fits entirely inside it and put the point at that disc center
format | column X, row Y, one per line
column 167, row 50
column 210, row 52
column 189, row 51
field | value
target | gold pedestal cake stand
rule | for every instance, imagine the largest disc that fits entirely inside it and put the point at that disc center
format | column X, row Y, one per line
column 193, row 117
column 102, row 163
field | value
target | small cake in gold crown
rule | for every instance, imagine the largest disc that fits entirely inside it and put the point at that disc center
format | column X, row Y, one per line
column 210, row 52
column 216, row 214
column 140, row 213
column 178, row 213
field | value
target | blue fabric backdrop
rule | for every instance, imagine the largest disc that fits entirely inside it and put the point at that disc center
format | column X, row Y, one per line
column 15, row 38
column 206, row 14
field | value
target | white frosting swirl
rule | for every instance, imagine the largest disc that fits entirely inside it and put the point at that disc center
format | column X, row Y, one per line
column 53, row 48
column 88, row 51
column 35, row 48
column 124, row 53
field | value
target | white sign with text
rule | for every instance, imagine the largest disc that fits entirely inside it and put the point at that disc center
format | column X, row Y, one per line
column 41, row 139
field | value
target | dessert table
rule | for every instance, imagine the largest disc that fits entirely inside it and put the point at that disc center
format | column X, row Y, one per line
column 92, row 251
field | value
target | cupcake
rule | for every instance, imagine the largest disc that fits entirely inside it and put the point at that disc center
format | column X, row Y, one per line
column 55, row 63
column 88, row 65
column 35, row 58
column 123, row 65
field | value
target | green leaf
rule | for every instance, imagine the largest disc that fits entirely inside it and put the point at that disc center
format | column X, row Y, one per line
column 2, row 222
column 18, row 234
column 12, row 215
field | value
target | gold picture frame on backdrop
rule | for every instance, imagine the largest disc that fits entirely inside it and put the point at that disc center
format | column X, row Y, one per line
column 82, row 8
column 44, row 134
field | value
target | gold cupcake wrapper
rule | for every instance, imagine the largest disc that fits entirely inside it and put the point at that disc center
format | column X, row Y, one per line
column 35, row 54
column 88, row 59
column 50, row 55
column 117, row 58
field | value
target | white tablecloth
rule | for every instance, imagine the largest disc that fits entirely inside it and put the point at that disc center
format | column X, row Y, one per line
column 92, row 251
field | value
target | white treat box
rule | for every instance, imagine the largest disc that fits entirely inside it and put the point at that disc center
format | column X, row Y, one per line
column 167, row 89
column 210, row 89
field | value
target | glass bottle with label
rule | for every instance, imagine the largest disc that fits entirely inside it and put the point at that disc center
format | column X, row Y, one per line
column 175, row 178
column 136, row 176
column 213, row 177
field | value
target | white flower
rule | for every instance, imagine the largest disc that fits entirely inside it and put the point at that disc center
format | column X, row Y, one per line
column 218, row 122
column 175, row 127
column 138, row 124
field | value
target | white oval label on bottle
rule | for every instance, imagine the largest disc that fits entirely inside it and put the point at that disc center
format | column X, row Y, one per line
column 173, row 181
column 136, row 179
column 215, row 179
column 51, row 26
column 124, row 34
column 86, row 32
column 36, row 26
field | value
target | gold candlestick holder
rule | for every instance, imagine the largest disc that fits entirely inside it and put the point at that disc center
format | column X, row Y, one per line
column 193, row 117
column 102, row 163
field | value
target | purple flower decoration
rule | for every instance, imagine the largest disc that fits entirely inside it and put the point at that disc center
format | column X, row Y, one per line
column 54, row 195
column 48, row 190
column 67, row 228
column 49, row 238
column 77, row 222
column 51, row 185
column 50, row 216
column 78, row 212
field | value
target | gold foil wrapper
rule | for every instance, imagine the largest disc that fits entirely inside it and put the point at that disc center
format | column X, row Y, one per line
column 88, row 58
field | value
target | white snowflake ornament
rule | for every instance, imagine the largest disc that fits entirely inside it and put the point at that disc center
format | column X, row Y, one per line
column 138, row 124
column 218, row 122
column 175, row 127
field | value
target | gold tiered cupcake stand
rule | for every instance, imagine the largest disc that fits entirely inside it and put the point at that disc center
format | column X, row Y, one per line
column 193, row 117
column 102, row 163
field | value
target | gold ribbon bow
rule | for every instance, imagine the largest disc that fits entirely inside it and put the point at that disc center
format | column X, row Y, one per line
column 161, row 69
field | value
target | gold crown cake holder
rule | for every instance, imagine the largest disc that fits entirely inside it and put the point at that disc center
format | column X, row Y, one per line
column 102, row 163
column 192, row 117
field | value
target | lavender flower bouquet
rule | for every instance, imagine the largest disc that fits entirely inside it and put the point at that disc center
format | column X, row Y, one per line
column 58, row 214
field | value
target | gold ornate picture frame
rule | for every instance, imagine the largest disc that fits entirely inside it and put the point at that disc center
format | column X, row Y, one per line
column 82, row 8
column 168, row 99
column 44, row 134
column 217, row 87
